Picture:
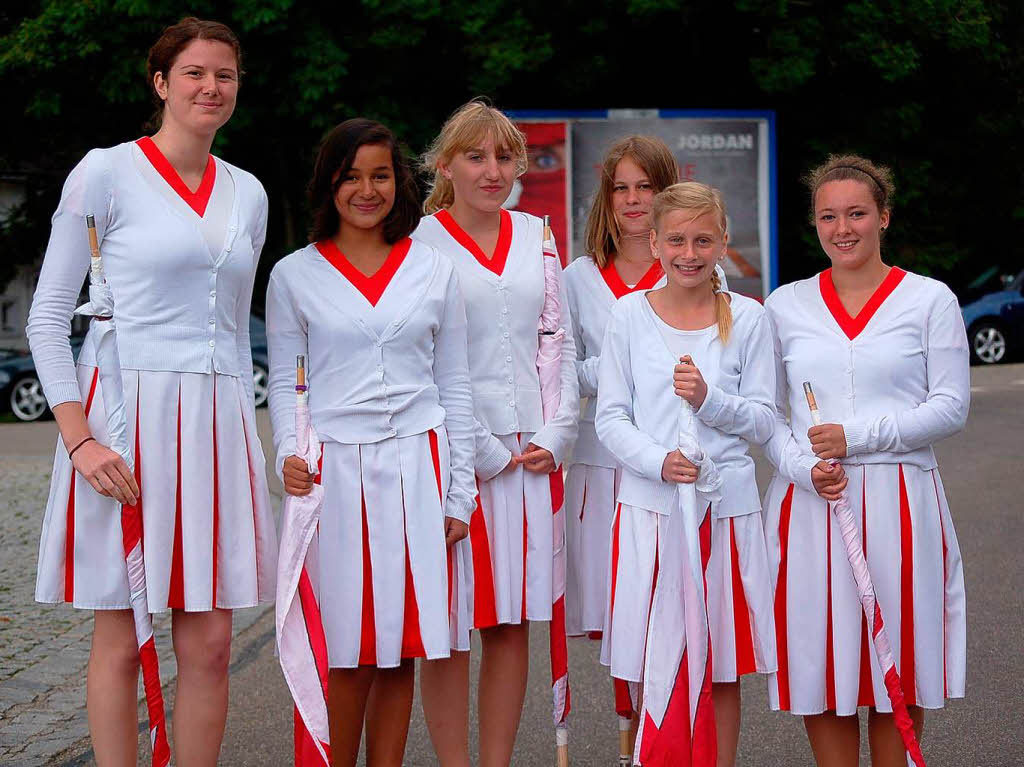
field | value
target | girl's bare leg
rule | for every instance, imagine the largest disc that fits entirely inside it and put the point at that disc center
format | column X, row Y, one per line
column 726, row 698
column 202, row 645
column 503, row 670
column 835, row 740
column 111, row 692
column 444, row 691
column 387, row 715
column 347, row 692
column 884, row 739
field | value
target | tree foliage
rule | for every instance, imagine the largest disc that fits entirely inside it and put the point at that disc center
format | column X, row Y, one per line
column 931, row 87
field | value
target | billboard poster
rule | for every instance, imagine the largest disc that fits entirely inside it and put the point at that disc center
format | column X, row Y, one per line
column 732, row 151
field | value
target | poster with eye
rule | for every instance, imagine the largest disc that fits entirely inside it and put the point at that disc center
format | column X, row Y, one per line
column 733, row 151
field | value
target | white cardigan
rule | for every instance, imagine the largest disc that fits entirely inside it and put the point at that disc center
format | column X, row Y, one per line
column 592, row 294
column 899, row 385
column 392, row 370
column 503, row 312
column 176, row 307
column 638, row 410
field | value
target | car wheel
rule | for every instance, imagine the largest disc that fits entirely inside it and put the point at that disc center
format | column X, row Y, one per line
column 27, row 400
column 260, row 381
column 988, row 343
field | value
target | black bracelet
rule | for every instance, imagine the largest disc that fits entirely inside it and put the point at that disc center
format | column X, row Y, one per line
column 87, row 439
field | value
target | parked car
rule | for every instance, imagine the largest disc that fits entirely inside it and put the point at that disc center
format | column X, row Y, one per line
column 22, row 393
column 995, row 322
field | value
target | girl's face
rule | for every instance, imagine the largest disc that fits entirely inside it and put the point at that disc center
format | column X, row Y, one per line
column 632, row 193
column 688, row 247
column 366, row 193
column 849, row 223
column 201, row 86
column 482, row 176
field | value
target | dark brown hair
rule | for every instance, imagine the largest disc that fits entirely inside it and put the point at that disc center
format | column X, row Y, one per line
column 852, row 167
column 174, row 40
column 334, row 160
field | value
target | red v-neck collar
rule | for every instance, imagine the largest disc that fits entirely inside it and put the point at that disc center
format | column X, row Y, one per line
column 853, row 326
column 496, row 263
column 197, row 200
column 371, row 287
column 613, row 279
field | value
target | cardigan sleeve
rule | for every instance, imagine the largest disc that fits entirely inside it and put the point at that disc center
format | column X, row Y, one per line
column 586, row 367
column 286, row 338
column 614, row 420
column 944, row 411
column 750, row 414
column 65, row 265
column 559, row 434
column 782, row 448
column 244, row 307
column 451, row 375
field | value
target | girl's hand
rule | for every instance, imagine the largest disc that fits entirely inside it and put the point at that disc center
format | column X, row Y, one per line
column 689, row 383
column 106, row 471
column 297, row 479
column 829, row 480
column 536, row 459
column 828, row 441
column 676, row 468
column 454, row 530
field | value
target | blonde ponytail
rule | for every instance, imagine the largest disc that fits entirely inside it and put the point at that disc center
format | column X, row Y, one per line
column 723, row 309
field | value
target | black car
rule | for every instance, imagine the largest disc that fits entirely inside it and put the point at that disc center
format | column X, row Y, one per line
column 22, row 393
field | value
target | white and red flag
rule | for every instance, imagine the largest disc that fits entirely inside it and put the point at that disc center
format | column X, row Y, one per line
column 108, row 362
column 549, row 366
column 301, row 644
column 866, row 592
column 677, row 719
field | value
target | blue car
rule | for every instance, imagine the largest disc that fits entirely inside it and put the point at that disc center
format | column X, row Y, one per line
column 995, row 323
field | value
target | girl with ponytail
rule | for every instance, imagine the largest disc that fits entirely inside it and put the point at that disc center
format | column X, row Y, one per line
column 692, row 339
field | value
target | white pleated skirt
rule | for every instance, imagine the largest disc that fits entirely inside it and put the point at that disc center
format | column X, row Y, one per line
column 380, row 563
column 590, row 493
column 739, row 595
column 209, row 538
column 826, row 662
column 502, row 570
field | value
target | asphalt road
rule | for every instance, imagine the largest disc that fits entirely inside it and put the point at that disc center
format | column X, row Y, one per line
column 981, row 468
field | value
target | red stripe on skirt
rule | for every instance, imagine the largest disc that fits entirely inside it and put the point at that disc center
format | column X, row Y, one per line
column 705, row 736
column 69, row 533
column 907, row 596
column 485, row 613
column 615, row 565
column 435, row 456
column 216, row 500
column 745, row 662
column 830, row 662
column 176, row 591
column 526, row 547
column 412, row 640
column 866, row 691
column 368, row 630
column 781, row 638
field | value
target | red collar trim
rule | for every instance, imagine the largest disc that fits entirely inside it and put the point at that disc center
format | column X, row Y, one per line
column 613, row 279
column 196, row 200
column 853, row 326
column 372, row 287
column 497, row 261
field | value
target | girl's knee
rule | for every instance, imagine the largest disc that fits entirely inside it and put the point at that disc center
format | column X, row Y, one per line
column 202, row 643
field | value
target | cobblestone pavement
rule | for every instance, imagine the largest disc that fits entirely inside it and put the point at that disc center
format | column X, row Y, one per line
column 44, row 649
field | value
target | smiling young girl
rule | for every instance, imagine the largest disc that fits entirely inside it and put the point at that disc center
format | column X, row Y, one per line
column 886, row 353
column 381, row 322
column 693, row 340
column 181, row 234
column 505, row 565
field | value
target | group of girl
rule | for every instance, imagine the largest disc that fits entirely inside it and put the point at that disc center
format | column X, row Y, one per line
column 420, row 339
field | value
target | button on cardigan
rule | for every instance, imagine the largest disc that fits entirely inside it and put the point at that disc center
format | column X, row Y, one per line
column 638, row 411
column 503, row 311
column 394, row 369
column 896, row 377
column 177, row 308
